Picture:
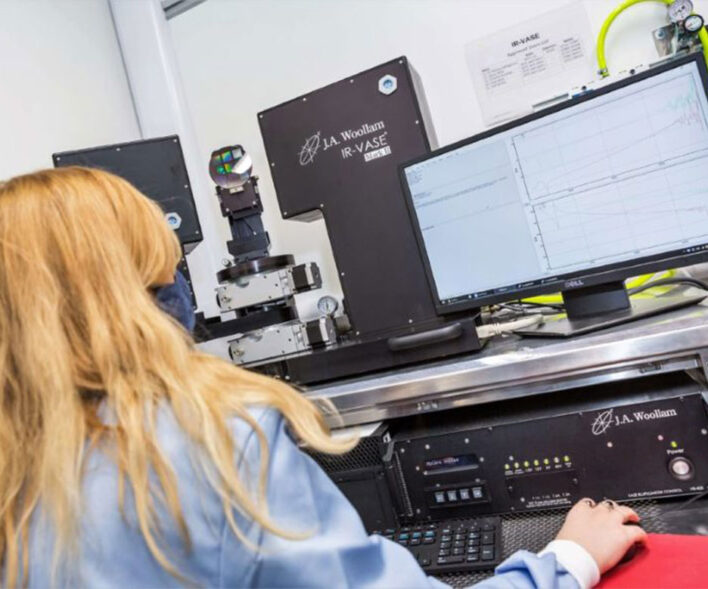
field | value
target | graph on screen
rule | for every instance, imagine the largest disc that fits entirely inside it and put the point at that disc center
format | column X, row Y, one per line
column 621, row 177
column 617, row 177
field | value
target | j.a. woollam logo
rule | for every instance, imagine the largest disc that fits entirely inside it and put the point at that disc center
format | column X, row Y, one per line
column 309, row 149
column 602, row 422
column 606, row 419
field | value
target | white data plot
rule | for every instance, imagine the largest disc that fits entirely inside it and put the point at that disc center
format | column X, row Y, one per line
column 650, row 129
column 619, row 177
column 601, row 226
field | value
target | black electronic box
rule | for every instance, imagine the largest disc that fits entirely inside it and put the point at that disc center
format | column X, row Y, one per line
column 155, row 167
column 516, row 456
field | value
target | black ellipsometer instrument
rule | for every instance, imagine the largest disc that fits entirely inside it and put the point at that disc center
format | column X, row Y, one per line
column 334, row 155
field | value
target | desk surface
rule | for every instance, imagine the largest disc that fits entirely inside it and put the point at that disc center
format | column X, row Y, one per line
column 532, row 531
column 514, row 367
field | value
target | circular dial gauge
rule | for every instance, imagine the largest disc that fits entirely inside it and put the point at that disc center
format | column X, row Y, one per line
column 328, row 305
column 680, row 10
column 693, row 23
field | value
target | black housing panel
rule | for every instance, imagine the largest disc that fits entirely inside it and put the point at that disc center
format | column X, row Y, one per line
column 155, row 167
column 335, row 152
column 599, row 442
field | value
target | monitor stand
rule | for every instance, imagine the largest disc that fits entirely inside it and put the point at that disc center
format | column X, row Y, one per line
column 605, row 305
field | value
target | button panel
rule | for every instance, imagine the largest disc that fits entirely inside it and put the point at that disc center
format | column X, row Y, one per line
column 453, row 545
column 458, row 495
column 681, row 468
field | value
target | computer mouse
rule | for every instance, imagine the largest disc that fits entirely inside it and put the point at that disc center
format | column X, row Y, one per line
column 630, row 554
column 633, row 549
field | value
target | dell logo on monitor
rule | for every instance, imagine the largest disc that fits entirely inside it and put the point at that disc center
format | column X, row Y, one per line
column 573, row 283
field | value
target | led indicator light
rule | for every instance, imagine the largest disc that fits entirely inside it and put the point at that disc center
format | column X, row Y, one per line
column 516, row 465
column 674, row 444
column 556, row 460
column 566, row 458
column 546, row 461
column 526, row 463
column 536, row 463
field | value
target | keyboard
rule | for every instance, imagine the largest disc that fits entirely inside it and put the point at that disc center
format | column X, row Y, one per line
column 452, row 546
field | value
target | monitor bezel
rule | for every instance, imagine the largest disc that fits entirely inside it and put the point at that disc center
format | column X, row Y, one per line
column 563, row 282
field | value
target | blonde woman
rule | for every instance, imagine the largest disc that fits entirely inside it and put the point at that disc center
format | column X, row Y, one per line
column 130, row 459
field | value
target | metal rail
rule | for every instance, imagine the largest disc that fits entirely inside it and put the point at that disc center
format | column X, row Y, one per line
column 516, row 367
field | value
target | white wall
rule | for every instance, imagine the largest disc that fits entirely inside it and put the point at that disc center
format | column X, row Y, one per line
column 62, row 82
column 238, row 57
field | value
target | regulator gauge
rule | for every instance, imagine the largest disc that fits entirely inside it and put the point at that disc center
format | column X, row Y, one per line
column 693, row 23
column 680, row 10
column 328, row 305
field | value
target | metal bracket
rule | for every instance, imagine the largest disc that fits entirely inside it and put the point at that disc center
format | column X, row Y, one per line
column 174, row 8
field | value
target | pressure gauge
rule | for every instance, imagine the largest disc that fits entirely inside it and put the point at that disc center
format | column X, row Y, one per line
column 328, row 305
column 693, row 23
column 680, row 10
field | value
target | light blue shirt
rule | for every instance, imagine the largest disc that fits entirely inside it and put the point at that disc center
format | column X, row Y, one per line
column 301, row 498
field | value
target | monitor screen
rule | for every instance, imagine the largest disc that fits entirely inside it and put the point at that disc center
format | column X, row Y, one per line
column 606, row 181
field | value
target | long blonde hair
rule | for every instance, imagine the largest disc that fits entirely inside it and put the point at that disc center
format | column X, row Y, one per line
column 79, row 251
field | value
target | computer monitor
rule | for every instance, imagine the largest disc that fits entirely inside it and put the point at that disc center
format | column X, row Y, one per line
column 610, row 184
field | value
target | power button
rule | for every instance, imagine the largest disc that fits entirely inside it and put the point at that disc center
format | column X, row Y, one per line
column 681, row 468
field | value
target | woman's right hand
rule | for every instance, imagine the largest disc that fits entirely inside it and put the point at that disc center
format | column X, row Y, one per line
column 601, row 529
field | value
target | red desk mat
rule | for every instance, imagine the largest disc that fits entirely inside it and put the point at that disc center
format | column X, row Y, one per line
column 666, row 562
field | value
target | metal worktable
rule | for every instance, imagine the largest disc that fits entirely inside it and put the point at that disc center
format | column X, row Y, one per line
column 514, row 367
